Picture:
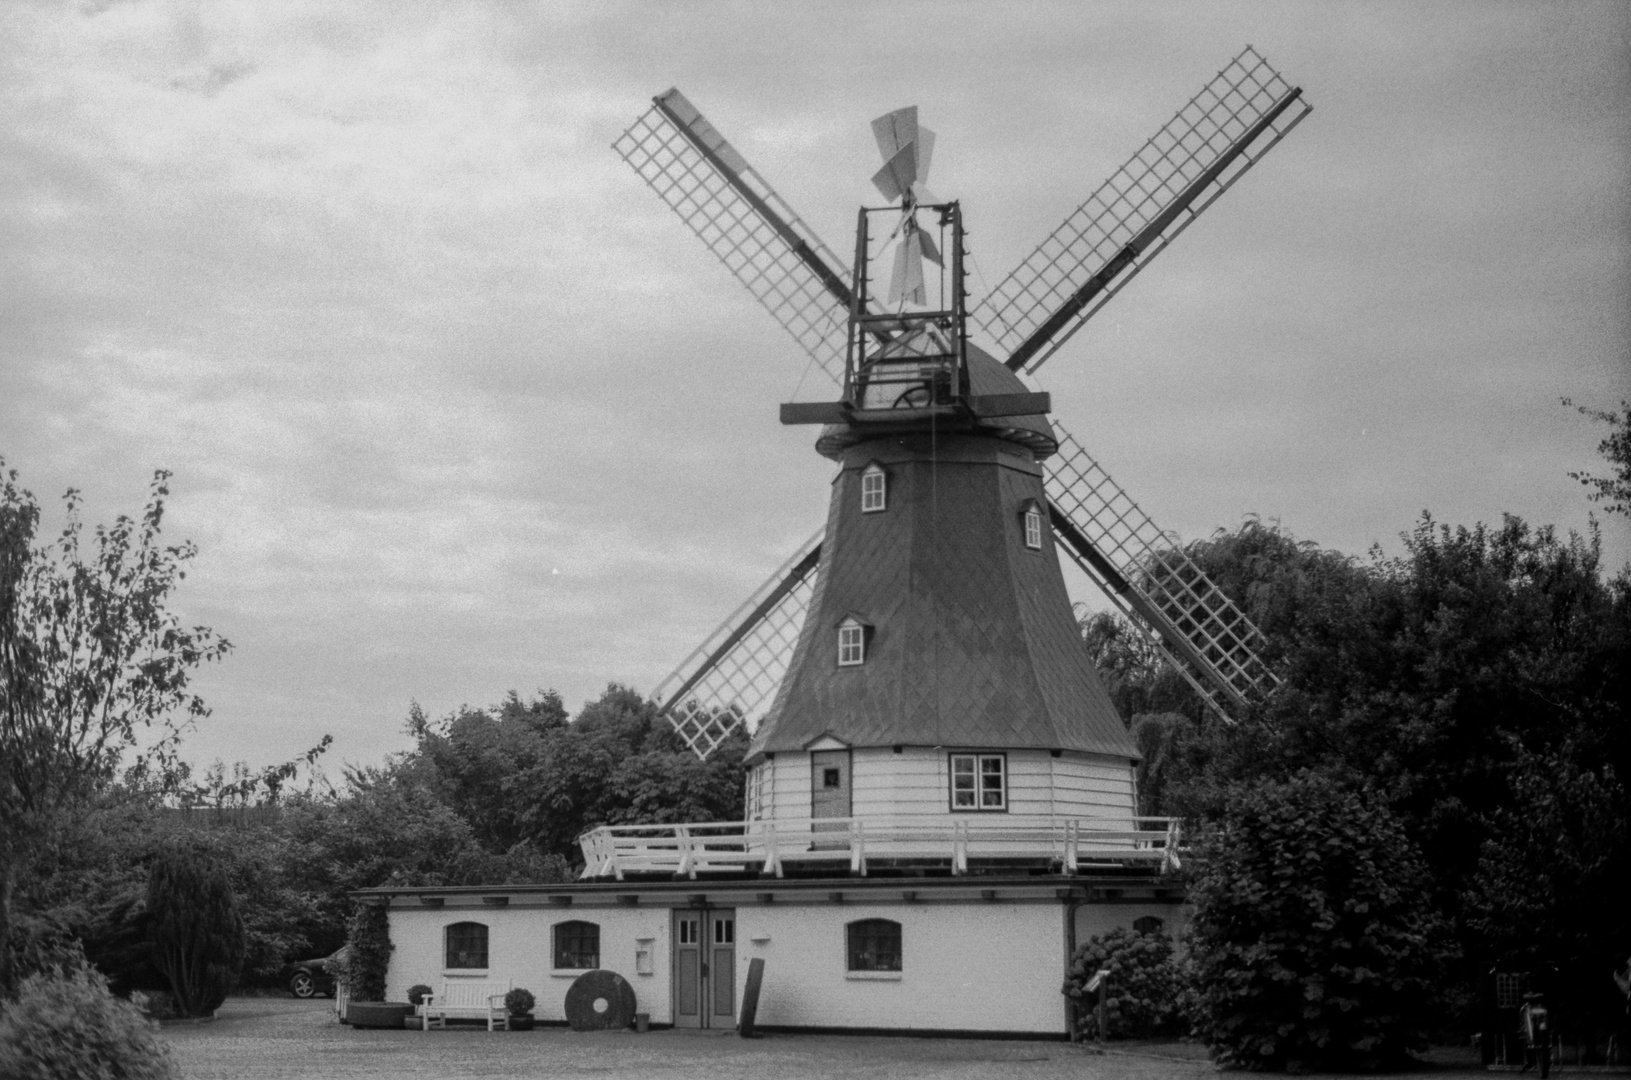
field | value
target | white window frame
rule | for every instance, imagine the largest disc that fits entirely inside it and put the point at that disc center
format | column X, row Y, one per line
column 976, row 794
column 851, row 644
column 1033, row 527
column 874, row 490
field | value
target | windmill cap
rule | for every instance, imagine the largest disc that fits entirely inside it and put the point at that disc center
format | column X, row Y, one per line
column 986, row 376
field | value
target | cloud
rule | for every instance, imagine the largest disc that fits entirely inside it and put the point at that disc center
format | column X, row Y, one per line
column 372, row 282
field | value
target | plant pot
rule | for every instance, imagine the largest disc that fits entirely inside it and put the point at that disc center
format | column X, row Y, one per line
column 642, row 1022
column 377, row 1014
column 523, row 1022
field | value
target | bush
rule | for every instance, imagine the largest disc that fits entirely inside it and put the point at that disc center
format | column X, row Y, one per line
column 1141, row 995
column 418, row 992
column 67, row 1026
column 367, row 953
column 519, row 1001
column 1312, row 946
column 197, row 934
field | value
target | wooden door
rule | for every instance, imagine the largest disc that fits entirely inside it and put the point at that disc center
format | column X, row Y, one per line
column 688, row 969
column 705, row 968
column 830, row 784
column 721, row 975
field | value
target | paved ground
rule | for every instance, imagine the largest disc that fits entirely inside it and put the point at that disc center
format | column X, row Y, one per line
column 266, row 1038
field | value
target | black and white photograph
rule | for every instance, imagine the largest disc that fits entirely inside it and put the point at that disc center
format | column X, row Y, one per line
column 921, row 539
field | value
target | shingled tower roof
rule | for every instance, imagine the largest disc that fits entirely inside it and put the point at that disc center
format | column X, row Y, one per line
column 970, row 637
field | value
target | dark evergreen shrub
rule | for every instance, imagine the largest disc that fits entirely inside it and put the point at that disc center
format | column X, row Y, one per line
column 1141, row 994
column 367, row 953
column 1313, row 944
column 196, row 932
column 418, row 992
column 519, row 1002
column 65, row 1025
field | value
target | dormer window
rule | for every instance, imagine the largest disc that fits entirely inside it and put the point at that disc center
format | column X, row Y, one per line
column 874, row 490
column 1031, row 519
column 851, row 643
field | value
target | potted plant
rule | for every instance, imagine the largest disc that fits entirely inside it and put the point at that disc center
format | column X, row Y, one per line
column 416, row 997
column 519, row 1002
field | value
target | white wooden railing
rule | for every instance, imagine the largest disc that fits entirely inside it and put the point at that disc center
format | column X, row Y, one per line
column 1068, row 844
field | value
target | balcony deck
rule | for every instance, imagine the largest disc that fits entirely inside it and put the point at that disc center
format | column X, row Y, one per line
column 853, row 845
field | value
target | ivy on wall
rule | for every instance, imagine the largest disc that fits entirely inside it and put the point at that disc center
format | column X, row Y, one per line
column 368, row 951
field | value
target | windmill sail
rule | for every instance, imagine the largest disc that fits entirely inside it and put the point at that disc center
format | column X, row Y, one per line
column 740, row 217
column 730, row 679
column 1149, row 577
column 1211, row 142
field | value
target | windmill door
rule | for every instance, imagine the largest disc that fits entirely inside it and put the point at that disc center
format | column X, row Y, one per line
column 830, row 784
column 705, row 968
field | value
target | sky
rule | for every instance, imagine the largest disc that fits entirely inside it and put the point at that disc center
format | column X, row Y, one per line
column 455, row 405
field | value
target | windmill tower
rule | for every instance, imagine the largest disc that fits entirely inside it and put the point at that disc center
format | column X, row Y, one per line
column 734, row 677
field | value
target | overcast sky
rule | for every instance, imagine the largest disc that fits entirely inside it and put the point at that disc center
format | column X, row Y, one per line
column 455, row 405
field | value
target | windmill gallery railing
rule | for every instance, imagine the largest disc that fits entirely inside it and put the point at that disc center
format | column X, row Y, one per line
column 769, row 848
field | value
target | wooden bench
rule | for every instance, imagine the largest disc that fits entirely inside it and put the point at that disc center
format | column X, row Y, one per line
column 467, row 999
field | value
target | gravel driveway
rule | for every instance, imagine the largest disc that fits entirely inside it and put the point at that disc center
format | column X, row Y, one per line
column 265, row 1038
column 255, row 1038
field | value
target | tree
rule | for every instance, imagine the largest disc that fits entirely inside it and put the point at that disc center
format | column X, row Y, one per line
column 1616, row 450
column 1312, row 943
column 196, row 931
column 1549, row 891
column 92, row 663
column 619, row 762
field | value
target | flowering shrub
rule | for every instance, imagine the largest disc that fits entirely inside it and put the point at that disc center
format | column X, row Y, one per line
column 1313, row 942
column 65, row 1025
column 1141, row 993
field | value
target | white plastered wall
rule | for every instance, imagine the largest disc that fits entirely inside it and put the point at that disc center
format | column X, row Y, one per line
column 970, row 966
column 519, row 949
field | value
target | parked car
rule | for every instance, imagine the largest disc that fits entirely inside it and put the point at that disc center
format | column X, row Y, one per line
column 309, row 978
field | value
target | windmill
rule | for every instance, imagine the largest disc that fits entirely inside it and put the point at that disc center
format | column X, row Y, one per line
column 732, row 678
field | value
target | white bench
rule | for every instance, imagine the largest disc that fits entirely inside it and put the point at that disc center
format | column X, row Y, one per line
column 467, row 999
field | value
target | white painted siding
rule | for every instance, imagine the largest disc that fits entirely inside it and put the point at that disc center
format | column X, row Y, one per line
column 979, row 966
column 519, row 948
column 789, row 790
column 915, row 783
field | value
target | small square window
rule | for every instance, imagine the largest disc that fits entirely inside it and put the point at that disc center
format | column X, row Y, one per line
column 874, row 494
column 874, row 945
column 1033, row 528
column 577, row 945
column 851, row 644
column 831, row 778
column 979, row 782
column 466, row 945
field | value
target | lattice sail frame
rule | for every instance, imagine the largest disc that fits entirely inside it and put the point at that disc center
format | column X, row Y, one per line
column 1155, row 568
column 713, row 692
column 1243, row 93
column 713, row 189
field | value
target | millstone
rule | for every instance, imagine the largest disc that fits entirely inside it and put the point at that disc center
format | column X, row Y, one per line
column 600, row 1001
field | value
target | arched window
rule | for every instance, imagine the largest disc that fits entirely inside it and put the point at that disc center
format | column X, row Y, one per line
column 467, row 945
column 874, row 489
column 851, row 643
column 1148, row 924
column 874, row 945
column 1032, row 520
column 577, row 945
